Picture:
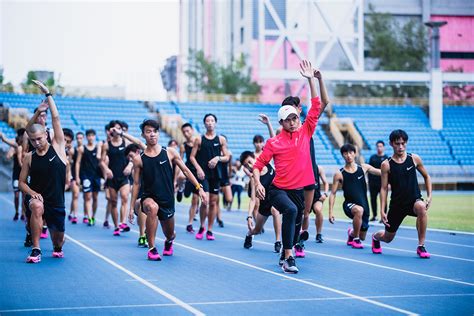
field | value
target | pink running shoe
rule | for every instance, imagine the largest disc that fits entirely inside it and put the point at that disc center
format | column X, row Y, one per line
column 422, row 253
column 200, row 233
column 85, row 220
column 299, row 251
column 350, row 239
column 210, row 235
column 168, row 250
column 124, row 227
column 357, row 244
column 74, row 220
column 117, row 232
column 58, row 253
column 153, row 255
column 376, row 248
column 44, row 233
column 35, row 256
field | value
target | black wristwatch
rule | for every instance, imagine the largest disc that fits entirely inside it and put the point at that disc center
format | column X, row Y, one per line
column 49, row 94
column 249, row 217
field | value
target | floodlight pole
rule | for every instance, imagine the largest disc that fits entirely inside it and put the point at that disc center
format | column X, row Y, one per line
column 436, row 87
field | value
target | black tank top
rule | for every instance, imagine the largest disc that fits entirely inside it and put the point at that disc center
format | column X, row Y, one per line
column 403, row 181
column 209, row 149
column 354, row 186
column 187, row 151
column 48, row 177
column 16, row 168
column 117, row 159
column 48, row 138
column 157, row 178
column 89, row 162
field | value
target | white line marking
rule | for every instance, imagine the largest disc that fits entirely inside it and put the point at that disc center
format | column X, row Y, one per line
column 314, row 299
column 357, row 261
column 385, row 247
column 139, row 279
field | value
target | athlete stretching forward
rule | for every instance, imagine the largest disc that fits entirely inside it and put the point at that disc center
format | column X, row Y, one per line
column 46, row 167
column 290, row 152
column 400, row 172
column 153, row 172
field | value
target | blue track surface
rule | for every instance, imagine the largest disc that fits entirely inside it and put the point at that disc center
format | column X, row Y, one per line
column 106, row 275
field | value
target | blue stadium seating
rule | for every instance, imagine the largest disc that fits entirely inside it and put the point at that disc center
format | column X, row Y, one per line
column 80, row 114
column 376, row 122
column 458, row 132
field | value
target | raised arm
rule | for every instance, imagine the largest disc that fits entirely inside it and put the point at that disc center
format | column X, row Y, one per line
column 322, row 88
column 385, row 169
column 265, row 120
column 58, row 131
column 311, row 121
column 130, row 138
column 9, row 142
column 421, row 169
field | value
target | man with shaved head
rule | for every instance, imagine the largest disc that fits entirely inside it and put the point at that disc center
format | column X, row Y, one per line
column 46, row 168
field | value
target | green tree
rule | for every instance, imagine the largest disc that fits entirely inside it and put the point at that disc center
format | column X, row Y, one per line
column 208, row 76
column 392, row 47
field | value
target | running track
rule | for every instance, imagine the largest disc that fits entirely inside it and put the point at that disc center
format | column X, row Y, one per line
column 106, row 275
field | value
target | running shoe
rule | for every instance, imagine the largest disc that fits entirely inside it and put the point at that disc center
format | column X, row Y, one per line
column 15, row 218
column 85, row 220
column 69, row 217
column 248, row 242
column 117, row 232
column 74, row 220
column 44, row 232
column 106, row 224
column 168, row 250
column 58, row 252
column 22, row 217
column 92, row 221
column 350, row 239
column 289, row 265
column 124, row 227
column 319, row 238
column 190, row 229
column 142, row 242
column 35, row 256
column 28, row 241
column 299, row 251
column 376, row 248
column 210, row 235
column 422, row 253
column 200, row 233
column 282, row 258
column 304, row 235
column 277, row 247
column 220, row 223
column 357, row 244
column 153, row 255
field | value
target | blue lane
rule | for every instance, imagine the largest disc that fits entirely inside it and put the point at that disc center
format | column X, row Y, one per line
column 217, row 286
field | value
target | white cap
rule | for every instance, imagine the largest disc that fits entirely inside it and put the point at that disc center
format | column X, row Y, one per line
column 285, row 111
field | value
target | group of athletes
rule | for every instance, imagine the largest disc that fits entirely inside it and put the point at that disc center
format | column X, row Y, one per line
column 285, row 180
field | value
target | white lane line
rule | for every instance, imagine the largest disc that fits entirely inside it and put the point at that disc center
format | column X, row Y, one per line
column 314, row 299
column 280, row 276
column 385, row 247
column 358, row 261
column 138, row 278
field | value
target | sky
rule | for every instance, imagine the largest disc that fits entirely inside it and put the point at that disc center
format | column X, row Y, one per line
column 90, row 43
